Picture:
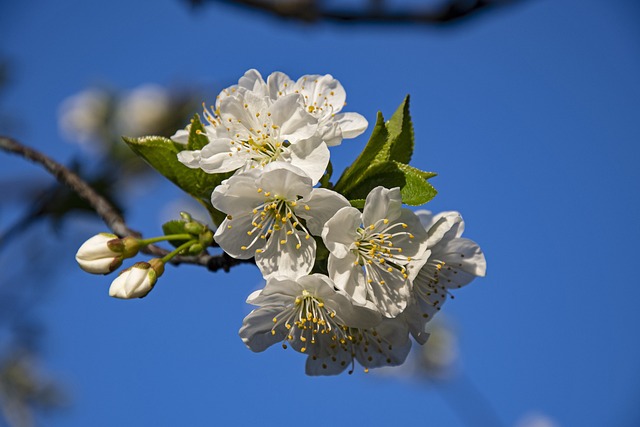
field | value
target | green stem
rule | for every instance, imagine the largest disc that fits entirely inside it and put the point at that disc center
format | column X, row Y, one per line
column 151, row 240
column 177, row 250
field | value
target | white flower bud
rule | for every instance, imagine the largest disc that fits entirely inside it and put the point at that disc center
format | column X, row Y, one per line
column 97, row 256
column 136, row 281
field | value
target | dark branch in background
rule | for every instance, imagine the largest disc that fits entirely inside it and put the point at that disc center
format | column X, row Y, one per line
column 312, row 11
column 109, row 214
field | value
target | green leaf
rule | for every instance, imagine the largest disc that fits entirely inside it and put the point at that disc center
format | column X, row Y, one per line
column 366, row 158
column 416, row 191
column 357, row 203
column 400, row 131
column 162, row 154
column 197, row 135
column 384, row 161
column 413, row 183
column 174, row 227
column 387, row 174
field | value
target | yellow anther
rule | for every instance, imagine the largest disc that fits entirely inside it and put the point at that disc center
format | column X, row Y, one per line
column 244, row 248
column 259, row 251
column 298, row 246
column 259, row 190
column 307, row 237
column 386, row 221
column 282, row 242
column 273, row 332
column 275, row 319
column 306, row 207
column 267, row 194
column 389, row 269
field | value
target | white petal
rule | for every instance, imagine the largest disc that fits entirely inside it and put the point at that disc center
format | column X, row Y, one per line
column 294, row 122
column 278, row 291
column 284, row 181
column 238, row 195
column 312, row 156
column 219, row 156
column 286, row 258
column 393, row 349
column 278, row 84
column 392, row 297
column 339, row 232
column 446, row 225
column 256, row 329
column 464, row 261
column 351, row 124
column 349, row 277
column 252, row 81
column 382, row 203
column 323, row 205
column 333, row 364
column 330, row 133
column 411, row 247
column 181, row 136
column 233, row 238
column 190, row 158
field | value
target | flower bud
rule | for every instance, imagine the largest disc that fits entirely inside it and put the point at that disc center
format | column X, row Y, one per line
column 194, row 228
column 104, row 252
column 137, row 281
column 97, row 256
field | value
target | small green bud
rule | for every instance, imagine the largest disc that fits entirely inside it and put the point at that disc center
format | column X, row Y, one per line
column 194, row 228
column 195, row 249
column 206, row 238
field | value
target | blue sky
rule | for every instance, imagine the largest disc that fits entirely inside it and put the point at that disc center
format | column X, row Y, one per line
column 530, row 116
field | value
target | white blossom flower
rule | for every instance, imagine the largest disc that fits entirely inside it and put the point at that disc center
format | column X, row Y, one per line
column 83, row 116
column 251, row 131
column 303, row 313
column 143, row 110
column 104, row 252
column 375, row 254
column 137, row 281
column 271, row 214
column 453, row 263
column 323, row 97
column 386, row 344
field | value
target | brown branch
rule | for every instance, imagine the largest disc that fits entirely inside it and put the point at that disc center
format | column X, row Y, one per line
column 310, row 11
column 107, row 211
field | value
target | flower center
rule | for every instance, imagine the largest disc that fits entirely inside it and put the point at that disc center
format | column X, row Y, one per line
column 305, row 319
column 377, row 249
column 276, row 216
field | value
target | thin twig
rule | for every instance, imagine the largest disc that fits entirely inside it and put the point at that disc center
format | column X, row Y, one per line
column 107, row 211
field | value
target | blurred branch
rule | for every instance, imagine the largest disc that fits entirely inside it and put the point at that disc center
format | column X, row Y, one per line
column 312, row 11
column 109, row 214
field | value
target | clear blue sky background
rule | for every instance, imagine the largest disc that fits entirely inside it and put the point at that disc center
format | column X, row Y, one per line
column 531, row 117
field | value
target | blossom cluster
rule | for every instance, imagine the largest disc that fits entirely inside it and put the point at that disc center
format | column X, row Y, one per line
column 348, row 279
column 388, row 269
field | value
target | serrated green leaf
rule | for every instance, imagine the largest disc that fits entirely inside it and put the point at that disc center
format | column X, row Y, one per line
column 366, row 158
column 416, row 191
column 162, row 154
column 400, row 131
column 414, row 188
column 197, row 135
column 386, row 174
column 390, row 141
column 174, row 227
